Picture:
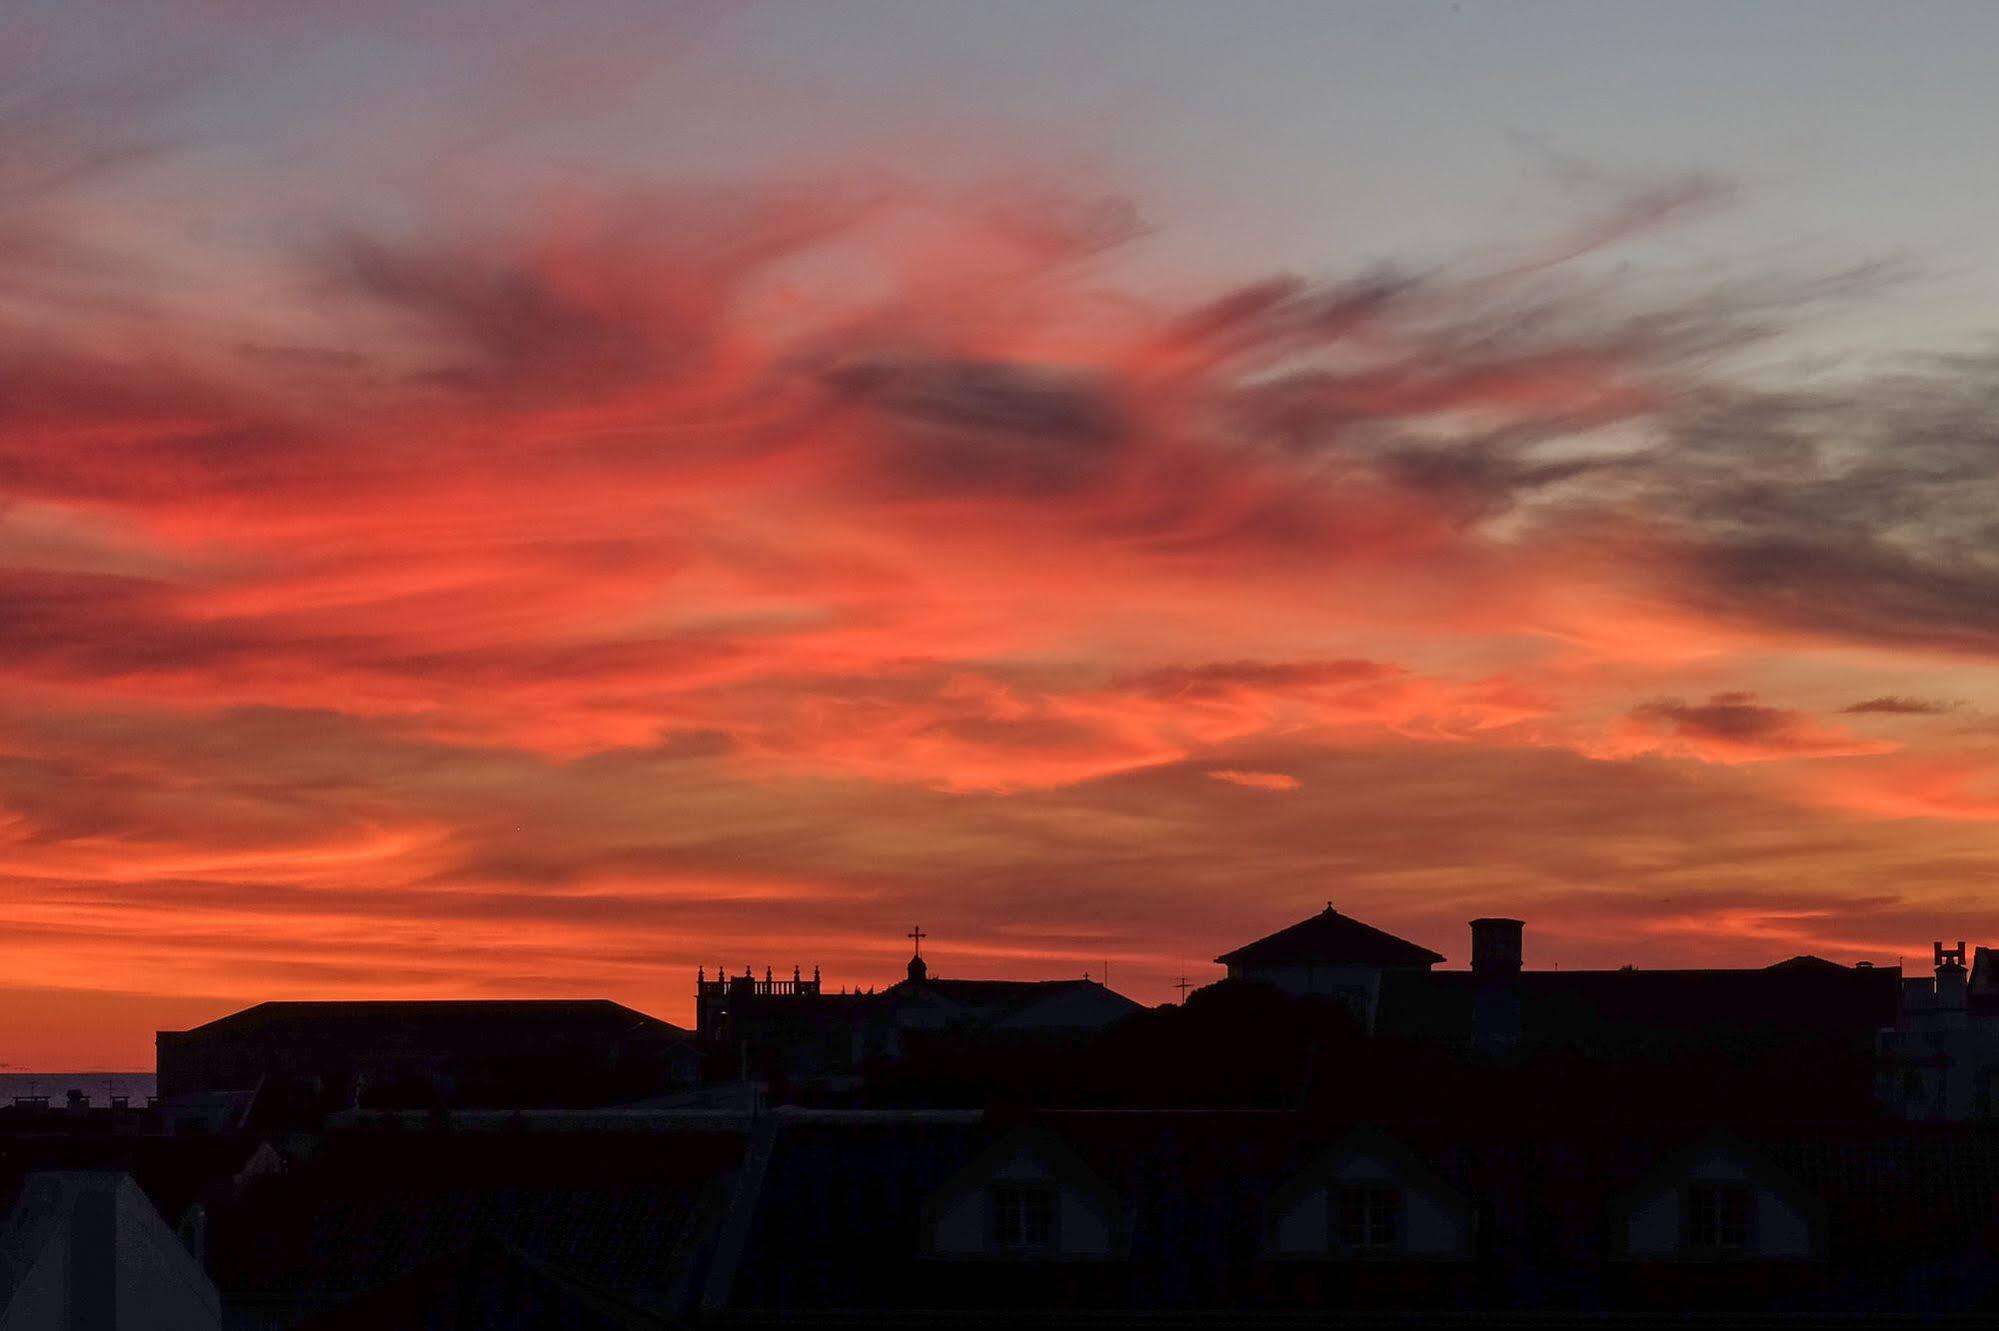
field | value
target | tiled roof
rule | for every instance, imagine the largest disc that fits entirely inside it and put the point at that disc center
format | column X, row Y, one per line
column 1330, row 938
column 485, row 1285
column 836, row 1222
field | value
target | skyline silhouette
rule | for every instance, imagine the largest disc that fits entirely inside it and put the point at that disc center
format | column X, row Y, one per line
column 937, row 663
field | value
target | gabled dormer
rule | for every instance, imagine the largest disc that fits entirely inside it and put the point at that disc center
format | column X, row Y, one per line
column 1369, row 1198
column 1717, row 1201
column 1025, row 1198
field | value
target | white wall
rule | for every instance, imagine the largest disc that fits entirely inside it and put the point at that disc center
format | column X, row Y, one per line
column 924, row 1012
column 1301, row 1227
column 959, row 1228
column 1311, row 978
column 1777, row 1229
column 1084, row 1232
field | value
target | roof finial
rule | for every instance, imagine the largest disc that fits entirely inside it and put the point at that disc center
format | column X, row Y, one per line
column 918, row 935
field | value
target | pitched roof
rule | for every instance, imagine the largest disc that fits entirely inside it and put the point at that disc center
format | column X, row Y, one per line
column 1805, row 961
column 1330, row 938
column 373, row 1018
column 102, row 1228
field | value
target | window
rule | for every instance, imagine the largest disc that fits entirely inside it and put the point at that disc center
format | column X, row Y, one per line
column 1023, row 1217
column 1718, row 1217
column 1366, row 1217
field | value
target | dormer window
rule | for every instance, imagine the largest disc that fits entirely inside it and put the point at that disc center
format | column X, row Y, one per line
column 1023, row 1217
column 1718, row 1200
column 1366, row 1198
column 1026, row 1196
column 1718, row 1217
column 1366, row 1219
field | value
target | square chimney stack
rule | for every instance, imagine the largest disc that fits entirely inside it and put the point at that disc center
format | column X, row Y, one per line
column 1495, row 948
column 1495, row 968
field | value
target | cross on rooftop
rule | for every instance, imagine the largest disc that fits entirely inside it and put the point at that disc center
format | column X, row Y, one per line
column 917, row 935
column 1183, row 986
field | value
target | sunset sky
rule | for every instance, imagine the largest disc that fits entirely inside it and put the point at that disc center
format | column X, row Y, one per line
column 505, row 500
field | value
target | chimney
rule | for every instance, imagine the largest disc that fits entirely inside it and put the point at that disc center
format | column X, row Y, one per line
column 1495, row 968
column 1495, row 947
column 1950, row 977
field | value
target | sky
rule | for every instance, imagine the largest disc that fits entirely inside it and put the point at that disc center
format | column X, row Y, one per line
column 527, row 501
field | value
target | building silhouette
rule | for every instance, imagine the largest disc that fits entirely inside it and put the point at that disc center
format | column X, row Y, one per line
column 415, row 1054
column 1345, row 1128
column 794, row 1031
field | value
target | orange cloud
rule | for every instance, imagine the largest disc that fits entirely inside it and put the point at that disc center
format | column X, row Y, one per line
column 1958, row 787
column 1255, row 780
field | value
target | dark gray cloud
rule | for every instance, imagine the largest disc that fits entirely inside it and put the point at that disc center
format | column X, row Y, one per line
column 1898, row 706
column 1736, row 726
column 1734, row 717
column 984, row 427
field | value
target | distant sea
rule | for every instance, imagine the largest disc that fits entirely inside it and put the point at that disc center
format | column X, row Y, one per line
column 58, row 1085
